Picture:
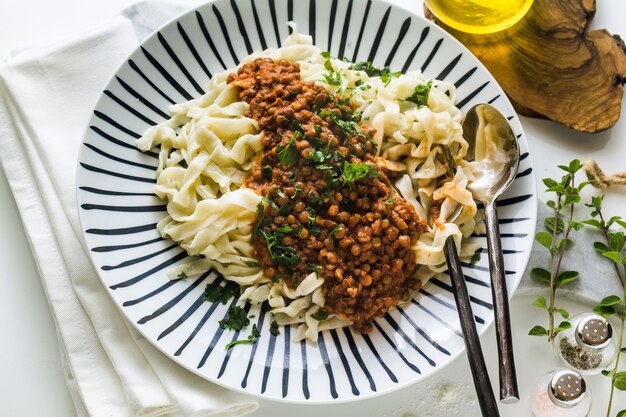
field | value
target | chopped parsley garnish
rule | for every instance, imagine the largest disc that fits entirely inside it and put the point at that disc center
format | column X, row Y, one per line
column 389, row 201
column 266, row 171
column 283, row 254
column 182, row 275
column 252, row 338
column 349, row 127
column 236, row 319
column 475, row 258
column 335, row 230
column 384, row 73
column 288, row 155
column 213, row 293
column 314, row 268
column 352, row 172
column 320, row 315
column 315, row 199
column 284, row 229
column 274, row 328
column 286, row 208
column 420, row 94
column 333, row 77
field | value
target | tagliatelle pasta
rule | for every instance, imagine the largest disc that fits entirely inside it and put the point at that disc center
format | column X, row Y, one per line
column 212, row 147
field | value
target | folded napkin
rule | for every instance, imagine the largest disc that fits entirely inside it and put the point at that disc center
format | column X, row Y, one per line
column 48, row 95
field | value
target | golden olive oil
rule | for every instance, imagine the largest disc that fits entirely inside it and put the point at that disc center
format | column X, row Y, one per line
column 479, row 16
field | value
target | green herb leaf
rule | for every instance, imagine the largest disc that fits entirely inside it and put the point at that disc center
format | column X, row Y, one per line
column 611, row 300
column 182, row 275
column 614, row 256
column 574, row 166
column 549, row 182
column 252, row 338
column 567, row 276
column 274, row 328
column 282, row 254
column 353, row 172
column 266, row 171
column 592, row 222
column 552, row 222
column 220, row 293
column 315, row 268
column 606, row 372
column 600, row 247
column 475, row 258
column 538, row 331
column 420, row 94
column 544, row 239
column 236, row 319
column 561, row 242
column 288, row 155
column 613, row 220
column 571, row 199
column 384, row 73
column 616, row 241
column 563, row 326
column 540, row 302
column 284, row 229
column 335, row 230
column 562, row 312
column 620, row 381
column 320, row 315
column 621, row 414
column 604, row 311
column 540, row 274
column 576, row 225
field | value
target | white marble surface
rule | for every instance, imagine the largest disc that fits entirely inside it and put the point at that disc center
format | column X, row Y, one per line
column 31, row 376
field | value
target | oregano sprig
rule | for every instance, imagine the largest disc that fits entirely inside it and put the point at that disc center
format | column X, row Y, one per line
column 556, row 239
column 612, row 248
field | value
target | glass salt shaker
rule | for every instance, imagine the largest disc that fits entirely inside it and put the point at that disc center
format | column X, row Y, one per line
column 562, row 393
column 588, row 346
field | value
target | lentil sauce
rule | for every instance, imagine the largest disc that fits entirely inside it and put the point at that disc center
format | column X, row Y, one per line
column 328, row 205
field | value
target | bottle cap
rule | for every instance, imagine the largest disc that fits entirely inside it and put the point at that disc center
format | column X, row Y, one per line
column 594, row 331
column 567, row 388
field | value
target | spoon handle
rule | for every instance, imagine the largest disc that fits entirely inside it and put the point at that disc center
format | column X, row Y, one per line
column 484, row 391
column 509, row 392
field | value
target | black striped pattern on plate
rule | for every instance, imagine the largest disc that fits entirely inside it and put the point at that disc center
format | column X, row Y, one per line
column 119, row 211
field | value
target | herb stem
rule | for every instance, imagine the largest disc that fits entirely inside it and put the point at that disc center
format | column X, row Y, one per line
column 616, row 367
column 622, row 279
column 555, row 270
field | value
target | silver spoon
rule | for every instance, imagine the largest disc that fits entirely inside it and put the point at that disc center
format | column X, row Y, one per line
column 486, row 129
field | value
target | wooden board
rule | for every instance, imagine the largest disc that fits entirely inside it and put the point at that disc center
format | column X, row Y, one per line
column 552, row 67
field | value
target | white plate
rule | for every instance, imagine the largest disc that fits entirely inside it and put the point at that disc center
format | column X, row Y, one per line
column 119, row 212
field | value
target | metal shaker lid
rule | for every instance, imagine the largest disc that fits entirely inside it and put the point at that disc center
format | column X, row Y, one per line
column 594, row 331
column 567, row 388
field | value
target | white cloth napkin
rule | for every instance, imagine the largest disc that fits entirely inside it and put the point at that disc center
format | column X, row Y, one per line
column 48, row 95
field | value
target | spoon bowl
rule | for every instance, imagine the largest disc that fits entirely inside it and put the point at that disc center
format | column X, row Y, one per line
column 493, row 149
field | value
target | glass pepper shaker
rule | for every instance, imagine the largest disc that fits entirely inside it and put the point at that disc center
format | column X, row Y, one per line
column 562, row 393
column 588, row 346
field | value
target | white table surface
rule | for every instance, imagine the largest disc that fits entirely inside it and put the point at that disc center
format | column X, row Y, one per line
column 31, row 377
